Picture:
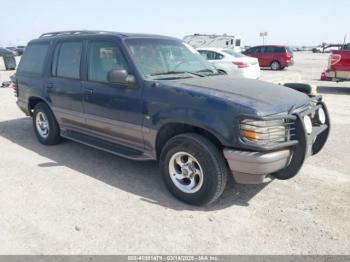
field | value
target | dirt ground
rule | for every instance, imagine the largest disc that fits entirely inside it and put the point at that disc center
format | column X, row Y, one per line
column 72, row 199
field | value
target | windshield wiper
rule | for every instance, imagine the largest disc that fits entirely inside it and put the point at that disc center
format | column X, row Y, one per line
column 211, row 72
column 176, row 73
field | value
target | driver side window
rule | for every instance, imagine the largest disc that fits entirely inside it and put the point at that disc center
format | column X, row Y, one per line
column 104, row 56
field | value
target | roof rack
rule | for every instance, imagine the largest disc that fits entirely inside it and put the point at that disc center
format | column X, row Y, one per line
column 76, row 32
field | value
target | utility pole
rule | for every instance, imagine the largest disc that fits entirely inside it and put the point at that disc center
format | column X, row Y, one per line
column 263, row 35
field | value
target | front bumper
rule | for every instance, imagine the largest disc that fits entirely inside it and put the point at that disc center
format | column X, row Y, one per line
column 255, row 167
column 285, row 160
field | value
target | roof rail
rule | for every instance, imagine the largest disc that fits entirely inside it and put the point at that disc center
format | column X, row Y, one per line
column 75, row 32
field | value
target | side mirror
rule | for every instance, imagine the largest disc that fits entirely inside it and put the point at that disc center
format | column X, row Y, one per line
column 121, row 77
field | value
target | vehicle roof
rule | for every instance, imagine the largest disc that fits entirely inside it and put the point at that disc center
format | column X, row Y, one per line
column 84, row 33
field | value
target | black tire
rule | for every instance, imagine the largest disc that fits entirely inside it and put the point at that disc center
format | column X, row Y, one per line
column 53, row 136
column 211, row 161
column 275, row 65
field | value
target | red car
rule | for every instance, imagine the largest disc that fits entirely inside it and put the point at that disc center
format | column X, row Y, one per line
column 276, row 57
column 339, row 65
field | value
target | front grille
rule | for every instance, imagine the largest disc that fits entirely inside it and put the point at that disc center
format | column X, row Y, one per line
column 290, row 130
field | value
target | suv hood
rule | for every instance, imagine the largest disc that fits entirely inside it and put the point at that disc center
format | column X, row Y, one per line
column 262, row 97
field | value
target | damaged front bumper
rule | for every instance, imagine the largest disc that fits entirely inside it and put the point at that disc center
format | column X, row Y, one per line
column 255, row 167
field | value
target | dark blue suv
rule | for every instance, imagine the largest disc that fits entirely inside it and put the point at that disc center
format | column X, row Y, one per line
column 148, row 97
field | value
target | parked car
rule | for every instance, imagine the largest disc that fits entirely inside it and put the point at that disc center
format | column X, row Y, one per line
column 6, row 52
column 13, row 50
column 273, row 56
column 338, row 66
column 232, row 62
column 17, row 50
column 147, row 97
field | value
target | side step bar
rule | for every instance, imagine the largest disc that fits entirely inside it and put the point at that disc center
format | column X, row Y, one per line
column 110, row 147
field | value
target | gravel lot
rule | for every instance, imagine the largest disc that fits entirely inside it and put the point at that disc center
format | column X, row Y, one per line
column 72, row 199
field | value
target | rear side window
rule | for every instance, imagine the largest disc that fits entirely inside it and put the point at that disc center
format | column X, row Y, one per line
column 210, row 55
column 67, row 58
column 33, row 58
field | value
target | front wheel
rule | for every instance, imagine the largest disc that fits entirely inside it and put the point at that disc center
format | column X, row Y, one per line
column 193, row 169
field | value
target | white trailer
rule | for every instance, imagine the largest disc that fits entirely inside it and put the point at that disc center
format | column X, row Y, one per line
column 218, row 41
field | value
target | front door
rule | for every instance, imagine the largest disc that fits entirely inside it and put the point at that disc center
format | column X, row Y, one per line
column 113, row 111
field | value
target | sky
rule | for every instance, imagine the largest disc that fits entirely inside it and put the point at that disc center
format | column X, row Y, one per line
column 293, row 22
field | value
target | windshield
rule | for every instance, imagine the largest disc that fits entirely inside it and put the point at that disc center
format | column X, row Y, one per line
column 156, row 58
column 233, row 53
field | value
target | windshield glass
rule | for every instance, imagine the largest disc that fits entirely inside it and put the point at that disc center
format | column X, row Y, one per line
column 233, row 53
column 158, row 57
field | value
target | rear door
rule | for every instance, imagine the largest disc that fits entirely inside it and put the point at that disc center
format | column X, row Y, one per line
column 63, row 85
column 113, row 111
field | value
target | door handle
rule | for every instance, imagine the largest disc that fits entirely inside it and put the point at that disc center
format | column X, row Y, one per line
column 89, row 91
column 49, row 85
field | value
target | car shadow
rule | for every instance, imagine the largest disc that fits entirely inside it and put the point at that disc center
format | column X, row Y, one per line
column 333, row 90
column 139, row 178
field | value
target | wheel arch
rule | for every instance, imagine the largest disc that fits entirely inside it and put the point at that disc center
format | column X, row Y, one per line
column 169, row 130
column 276, row 60
column 33, row 101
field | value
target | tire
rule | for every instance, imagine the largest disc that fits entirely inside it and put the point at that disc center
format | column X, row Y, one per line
column 208, row 161
column 275, row 65
column 44, row 114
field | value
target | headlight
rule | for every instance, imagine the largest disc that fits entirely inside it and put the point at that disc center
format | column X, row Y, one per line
column 308, row 124
column 265, row 132
column 321, row 116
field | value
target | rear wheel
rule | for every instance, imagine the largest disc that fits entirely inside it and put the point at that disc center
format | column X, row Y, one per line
column 275, row 65
column 193, row 169
column 45, row 125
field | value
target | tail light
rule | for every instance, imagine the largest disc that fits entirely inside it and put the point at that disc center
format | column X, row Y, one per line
column 334, row 59
column 240, row 64
column 15, row 87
